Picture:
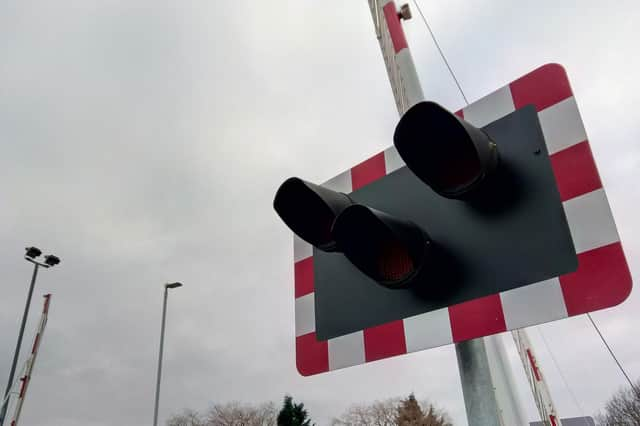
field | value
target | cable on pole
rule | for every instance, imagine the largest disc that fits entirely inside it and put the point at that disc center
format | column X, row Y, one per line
column 444, row 58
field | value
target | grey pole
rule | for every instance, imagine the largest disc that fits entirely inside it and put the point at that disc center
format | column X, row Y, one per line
column 477, row 386
column 16, row 354
column 164, row 318
column 474, row 363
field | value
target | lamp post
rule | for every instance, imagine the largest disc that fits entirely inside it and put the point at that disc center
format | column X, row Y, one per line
column 50, row 260
column 164, row 316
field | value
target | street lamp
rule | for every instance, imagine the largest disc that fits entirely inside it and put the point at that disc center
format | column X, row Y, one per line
column 31, row 254
column 164, row 316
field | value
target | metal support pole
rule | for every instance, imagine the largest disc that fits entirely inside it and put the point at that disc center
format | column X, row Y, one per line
column 164, row 316
column 489, row 395
column 477, row 386
column 510, row 406
column 16, row 354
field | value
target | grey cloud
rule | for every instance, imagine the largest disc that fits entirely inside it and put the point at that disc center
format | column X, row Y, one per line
column 143, row 143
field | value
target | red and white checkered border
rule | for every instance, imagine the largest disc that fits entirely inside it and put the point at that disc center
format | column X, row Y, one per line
column 602, row 279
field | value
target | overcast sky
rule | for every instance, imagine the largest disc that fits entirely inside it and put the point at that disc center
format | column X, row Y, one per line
column 143, row 141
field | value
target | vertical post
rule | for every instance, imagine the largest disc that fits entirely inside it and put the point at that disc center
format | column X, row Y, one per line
column 16, row 354
column 164, row 316
column 507, row 396
column 486, row 380
column 477, row 386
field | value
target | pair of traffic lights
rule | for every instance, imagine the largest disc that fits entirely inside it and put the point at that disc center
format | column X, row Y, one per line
column 451, row 156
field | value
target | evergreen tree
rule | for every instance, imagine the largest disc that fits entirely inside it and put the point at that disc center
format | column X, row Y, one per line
column 293, row 414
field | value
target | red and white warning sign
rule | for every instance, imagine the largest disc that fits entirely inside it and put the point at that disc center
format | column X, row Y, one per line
column 601, row 280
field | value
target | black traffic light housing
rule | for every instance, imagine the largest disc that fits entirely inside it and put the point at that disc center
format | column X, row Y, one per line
column 389, row 250
column 450, row 155
column 310, row 210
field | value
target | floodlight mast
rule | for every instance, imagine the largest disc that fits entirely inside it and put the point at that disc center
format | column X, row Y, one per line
column 31, row 253
column 489, row 393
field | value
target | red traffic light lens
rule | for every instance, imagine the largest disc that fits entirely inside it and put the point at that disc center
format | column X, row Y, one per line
column 389, row 250
column 447, row 153
column 394, row 261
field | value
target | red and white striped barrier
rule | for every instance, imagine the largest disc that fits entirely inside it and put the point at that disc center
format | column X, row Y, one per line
column 539, row 388
column 26, row 378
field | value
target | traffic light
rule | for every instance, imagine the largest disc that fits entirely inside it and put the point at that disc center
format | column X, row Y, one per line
column 389, row 250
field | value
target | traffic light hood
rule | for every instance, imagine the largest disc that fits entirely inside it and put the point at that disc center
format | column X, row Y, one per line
column 310, row 210
column 450, row 155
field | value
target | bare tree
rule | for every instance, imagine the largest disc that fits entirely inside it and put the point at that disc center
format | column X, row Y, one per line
column 393, row 412
column 379, row 413
column 230, row 414
column 434, row 416
column 236, row 414
column 623, row 409
column 187, row 418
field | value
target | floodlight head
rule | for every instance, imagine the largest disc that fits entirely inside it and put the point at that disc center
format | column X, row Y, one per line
column 33, row 252
column 173, row 285
column 405, row 12
column 450, row 155
column 51, row 260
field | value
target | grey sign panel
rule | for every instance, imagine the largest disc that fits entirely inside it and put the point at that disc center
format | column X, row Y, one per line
column 523, row 238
